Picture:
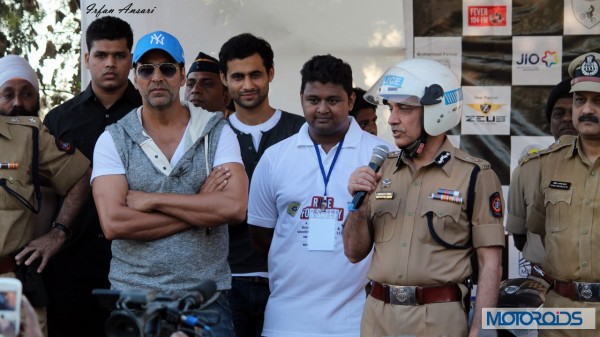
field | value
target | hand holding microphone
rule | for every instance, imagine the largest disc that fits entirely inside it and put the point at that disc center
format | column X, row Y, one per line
column 364, row 179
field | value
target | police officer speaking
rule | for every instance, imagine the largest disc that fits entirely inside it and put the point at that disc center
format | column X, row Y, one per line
column 430, row 207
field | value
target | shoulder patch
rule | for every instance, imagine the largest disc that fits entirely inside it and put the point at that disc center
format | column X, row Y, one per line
column 496, row 205
column 64, row 147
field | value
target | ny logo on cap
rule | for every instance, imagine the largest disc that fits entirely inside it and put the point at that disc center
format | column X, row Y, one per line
column 589, row 66
column 158, row 39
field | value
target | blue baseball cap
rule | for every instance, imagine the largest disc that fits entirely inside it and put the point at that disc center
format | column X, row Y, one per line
column 158, row 40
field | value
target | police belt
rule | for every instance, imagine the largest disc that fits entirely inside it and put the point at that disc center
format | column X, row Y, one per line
column 415, row 295
column 578, row 291
column 7, row 264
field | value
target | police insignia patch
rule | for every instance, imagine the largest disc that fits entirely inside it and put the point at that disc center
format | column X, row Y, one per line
column 442, row 158
column 292, row 208
column 65, row 147
column 496, row 205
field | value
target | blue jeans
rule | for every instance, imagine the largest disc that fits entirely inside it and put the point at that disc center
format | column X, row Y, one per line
column 225, row 326
column 248, row 301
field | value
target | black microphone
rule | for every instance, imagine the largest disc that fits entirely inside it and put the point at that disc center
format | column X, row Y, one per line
column 199, row 295
column 380, row 152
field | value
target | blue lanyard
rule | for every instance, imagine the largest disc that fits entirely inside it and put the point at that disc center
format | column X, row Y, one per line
column 335, row 157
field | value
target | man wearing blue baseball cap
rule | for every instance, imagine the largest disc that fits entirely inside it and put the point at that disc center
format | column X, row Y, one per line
column 150, row 184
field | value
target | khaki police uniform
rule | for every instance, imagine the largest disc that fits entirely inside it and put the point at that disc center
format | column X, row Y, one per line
column 520, row 200
column 567, row 211
column 405, row 252
column 57, row 168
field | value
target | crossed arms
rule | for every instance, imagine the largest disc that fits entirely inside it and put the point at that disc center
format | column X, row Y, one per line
column 136, row 215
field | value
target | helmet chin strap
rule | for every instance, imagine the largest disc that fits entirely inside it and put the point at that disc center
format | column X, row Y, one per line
column 415, row 148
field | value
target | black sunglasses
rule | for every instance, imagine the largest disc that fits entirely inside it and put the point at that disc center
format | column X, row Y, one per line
column 145, row 71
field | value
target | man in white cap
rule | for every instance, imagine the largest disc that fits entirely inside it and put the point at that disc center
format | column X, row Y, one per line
column 19, row 87
column 150, row 179
column 566, row 206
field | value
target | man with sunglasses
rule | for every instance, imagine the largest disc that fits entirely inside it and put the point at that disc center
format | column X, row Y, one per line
column 82, row 265
column 148, row 184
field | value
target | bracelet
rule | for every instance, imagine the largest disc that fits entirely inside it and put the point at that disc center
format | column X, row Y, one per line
column 68, row 232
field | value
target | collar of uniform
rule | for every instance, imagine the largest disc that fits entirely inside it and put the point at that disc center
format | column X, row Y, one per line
column 446, row 167
column 574, row 150
column 4, row 128
column 352, row 139
column 449, row 148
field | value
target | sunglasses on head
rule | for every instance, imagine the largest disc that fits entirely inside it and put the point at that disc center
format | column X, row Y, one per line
column 146, row 70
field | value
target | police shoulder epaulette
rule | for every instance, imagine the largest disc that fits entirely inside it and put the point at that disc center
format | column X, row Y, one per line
column 24, row 120
column 564, row 141
column 483, row 164
column 394, row 154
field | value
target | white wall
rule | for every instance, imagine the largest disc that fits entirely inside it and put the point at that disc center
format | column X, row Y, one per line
column 367, row 35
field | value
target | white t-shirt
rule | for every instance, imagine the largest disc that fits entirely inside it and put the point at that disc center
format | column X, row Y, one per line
column 108, row 162
column 256, row 130
column 313, row 292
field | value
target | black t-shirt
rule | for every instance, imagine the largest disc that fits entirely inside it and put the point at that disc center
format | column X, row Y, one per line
column 243, row 258
column 80, row 121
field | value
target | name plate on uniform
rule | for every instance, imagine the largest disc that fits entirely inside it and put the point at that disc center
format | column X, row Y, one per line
column 384, row 195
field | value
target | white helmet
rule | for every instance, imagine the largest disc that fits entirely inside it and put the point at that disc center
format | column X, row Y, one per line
column 423, row 82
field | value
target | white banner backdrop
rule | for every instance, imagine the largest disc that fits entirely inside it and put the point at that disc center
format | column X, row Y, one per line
column 367, row 35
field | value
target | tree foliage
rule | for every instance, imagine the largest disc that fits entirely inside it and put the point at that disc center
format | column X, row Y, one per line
column 49, row 38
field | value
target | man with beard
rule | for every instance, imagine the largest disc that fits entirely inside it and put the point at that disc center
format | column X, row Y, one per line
column 19, row 88
column 82, row 265
column 565, row 208
column 203, row 86
column 29, row 158
column 246, row 63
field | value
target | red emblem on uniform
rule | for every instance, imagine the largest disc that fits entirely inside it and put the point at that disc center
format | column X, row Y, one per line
column 496, row 205
column 65, row 147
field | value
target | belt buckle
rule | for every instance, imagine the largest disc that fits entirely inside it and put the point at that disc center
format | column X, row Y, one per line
column 587, row 292
column 403, row 295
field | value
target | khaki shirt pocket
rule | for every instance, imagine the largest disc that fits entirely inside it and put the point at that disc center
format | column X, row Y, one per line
column 9, row 201
column 558, row 209
column 384, row 218
column 445, row 221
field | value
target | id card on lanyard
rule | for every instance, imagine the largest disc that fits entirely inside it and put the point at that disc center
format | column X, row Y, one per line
column 322, row 222
column 321, row 230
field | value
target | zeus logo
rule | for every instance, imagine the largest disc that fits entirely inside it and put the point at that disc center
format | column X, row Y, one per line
column 485, row 119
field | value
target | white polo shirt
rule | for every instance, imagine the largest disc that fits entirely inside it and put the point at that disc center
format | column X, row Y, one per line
column 313, row 292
